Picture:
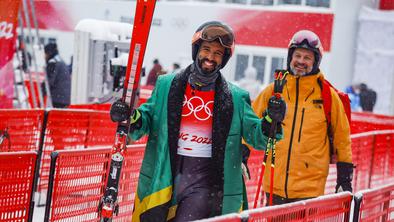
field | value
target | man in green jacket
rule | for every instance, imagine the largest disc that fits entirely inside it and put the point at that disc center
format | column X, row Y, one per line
column 195, row 121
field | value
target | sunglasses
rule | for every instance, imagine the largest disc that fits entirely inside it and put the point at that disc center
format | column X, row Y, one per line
column 213, row 32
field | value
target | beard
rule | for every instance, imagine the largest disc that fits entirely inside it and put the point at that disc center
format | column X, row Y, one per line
column 300, row 73
column 207, row 70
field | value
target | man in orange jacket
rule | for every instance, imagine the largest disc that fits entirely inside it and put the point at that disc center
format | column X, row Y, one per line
column 303, row 156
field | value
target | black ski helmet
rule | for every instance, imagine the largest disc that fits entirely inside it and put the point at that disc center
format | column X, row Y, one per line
column 308, row 40
column 211, row 31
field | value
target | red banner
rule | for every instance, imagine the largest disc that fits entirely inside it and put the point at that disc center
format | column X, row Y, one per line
column 8, row 23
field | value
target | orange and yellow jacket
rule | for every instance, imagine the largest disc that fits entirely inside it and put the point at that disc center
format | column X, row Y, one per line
column 302, row 156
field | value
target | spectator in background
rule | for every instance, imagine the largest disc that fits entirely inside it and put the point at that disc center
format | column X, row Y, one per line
column 354, row 95
column 367, row 98
column 156, row 70
column 250, row 83
column 59, row 77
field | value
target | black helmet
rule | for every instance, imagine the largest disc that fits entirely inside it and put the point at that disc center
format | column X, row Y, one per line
column 211, row 31
column 308, row 40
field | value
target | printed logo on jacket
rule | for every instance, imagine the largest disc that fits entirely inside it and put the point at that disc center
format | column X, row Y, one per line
column 195, row 135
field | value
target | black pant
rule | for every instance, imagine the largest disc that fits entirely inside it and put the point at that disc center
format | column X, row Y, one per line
column 59, row 105
column 197, row 197
column 278, row 200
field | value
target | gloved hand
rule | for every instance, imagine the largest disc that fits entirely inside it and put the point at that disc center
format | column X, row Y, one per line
column 120, row 112
column 344, row 177
column 276, row 109
column 266, row 125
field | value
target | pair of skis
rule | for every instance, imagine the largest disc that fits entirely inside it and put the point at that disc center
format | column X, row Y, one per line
column 279, row 82
column 109, row 206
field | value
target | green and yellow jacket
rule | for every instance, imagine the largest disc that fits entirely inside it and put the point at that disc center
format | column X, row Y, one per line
column 233, row 119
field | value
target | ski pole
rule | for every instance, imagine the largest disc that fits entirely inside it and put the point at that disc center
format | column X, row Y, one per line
column 278, row 89
column 272, row 143
column 261, row 177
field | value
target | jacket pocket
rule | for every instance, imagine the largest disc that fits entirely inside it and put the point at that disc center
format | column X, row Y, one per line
column 302, row 121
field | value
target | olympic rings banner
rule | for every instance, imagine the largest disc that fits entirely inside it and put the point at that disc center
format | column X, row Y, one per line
column 8, row 23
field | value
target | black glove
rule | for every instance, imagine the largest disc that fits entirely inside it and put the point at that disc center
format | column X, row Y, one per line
column 120, row 111
column 344, row 177
column 266, row 125
column 276, row 109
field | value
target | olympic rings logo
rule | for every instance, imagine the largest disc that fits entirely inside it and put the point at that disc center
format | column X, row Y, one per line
column 201, row 111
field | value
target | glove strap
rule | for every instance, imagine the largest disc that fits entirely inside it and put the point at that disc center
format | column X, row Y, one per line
column 136, row 115
column 268, row 118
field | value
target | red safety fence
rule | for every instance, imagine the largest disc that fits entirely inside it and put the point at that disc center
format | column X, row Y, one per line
column 20, row 130
column 98, row 107
column 373, row 156
column 16, row 185
column 375, row 205
column 254, row 164
column 326, row 208
column 364, row 122
column 332, row 208
column 77, row 183
column 73, row 129
column 144, row 92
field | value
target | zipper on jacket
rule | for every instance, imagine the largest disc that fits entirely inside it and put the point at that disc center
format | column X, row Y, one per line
column 288, row 94
column 313, row 90
column 302, row 121
column 291, row 136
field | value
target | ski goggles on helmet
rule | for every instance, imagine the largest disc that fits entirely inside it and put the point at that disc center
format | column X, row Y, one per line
column 213, row 32
column 308, row 37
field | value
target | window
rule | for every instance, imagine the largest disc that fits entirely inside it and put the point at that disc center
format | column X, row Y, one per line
column 318, row 3
column 259, row 64
column 265, row 63
column 241, row 65
column 236, row 1
column 289, row 2
column 262, row 2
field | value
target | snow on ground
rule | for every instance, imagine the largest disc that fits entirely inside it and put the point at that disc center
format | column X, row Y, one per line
column 39, row 212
